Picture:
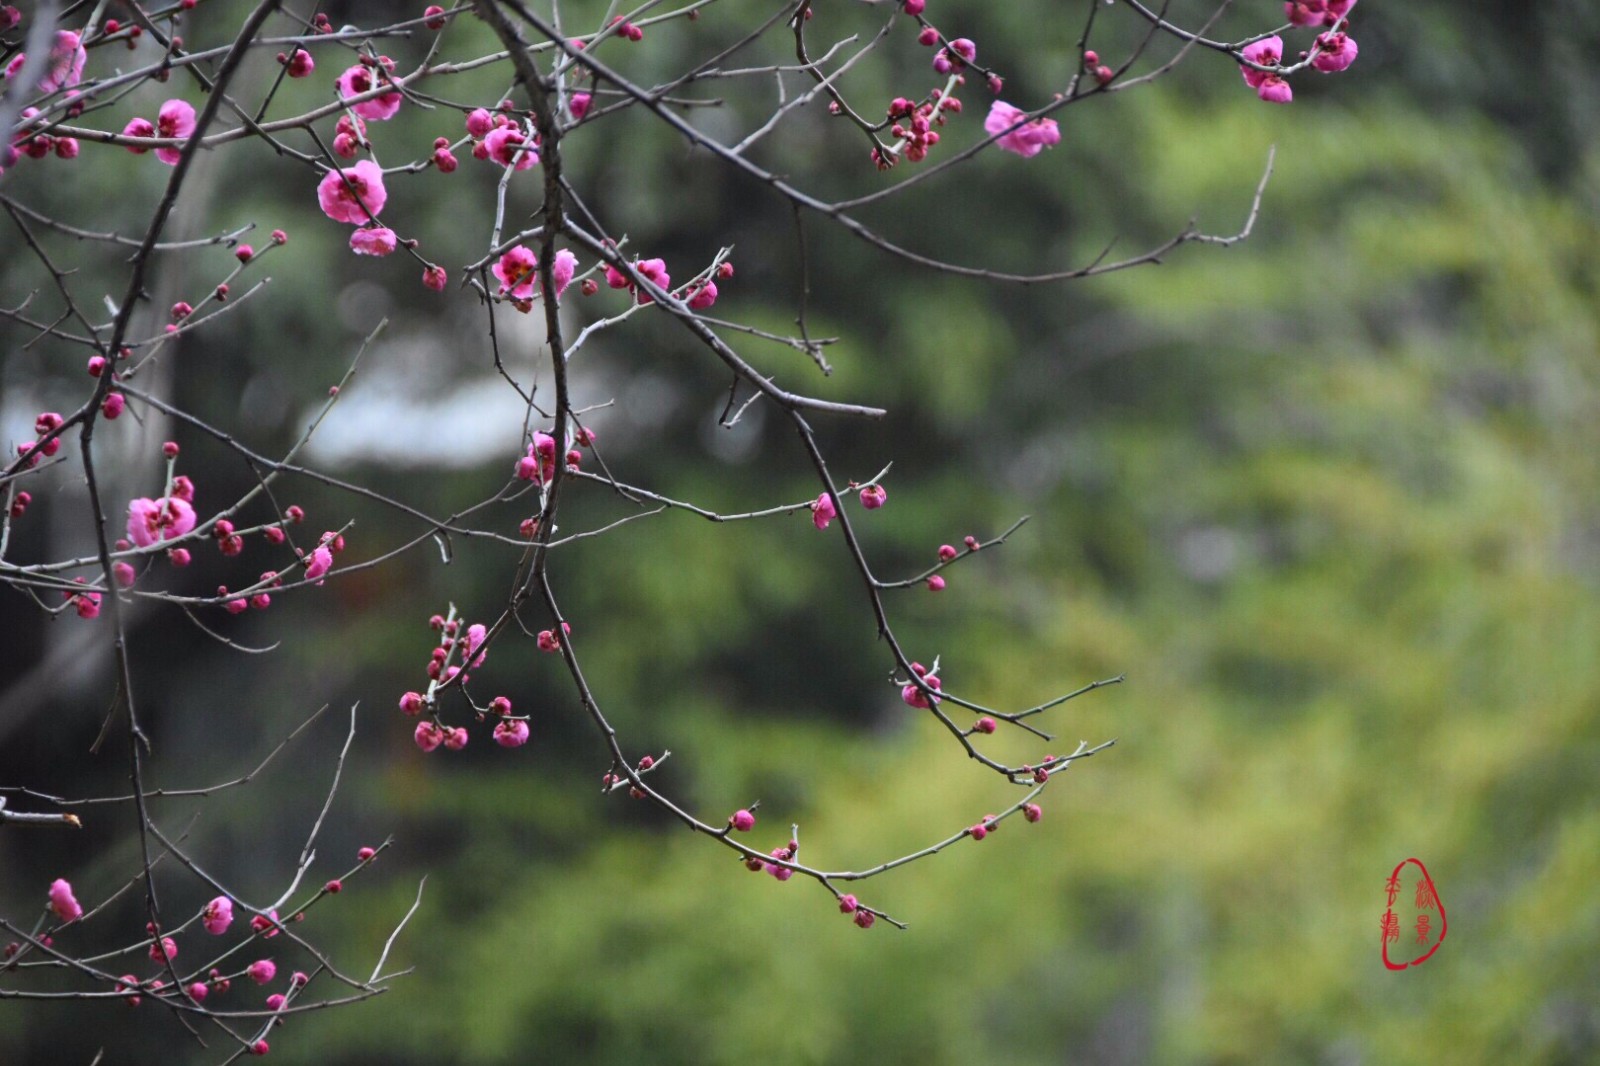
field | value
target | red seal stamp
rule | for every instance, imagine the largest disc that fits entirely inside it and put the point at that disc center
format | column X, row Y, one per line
column 1413, row 923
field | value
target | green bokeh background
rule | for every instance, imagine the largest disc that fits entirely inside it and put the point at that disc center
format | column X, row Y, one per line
column 1326, row 497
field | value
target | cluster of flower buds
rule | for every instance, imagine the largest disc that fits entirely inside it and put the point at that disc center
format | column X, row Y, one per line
column 297, row 64
column 216, row 917
column 913, row 694
column 627, row 29
column 1331, row 52
column 466, row 644
column 848, row 904
column 498, row 136
column 954, row 56
column 652, row 270
column 787, row 853
column 45, row 426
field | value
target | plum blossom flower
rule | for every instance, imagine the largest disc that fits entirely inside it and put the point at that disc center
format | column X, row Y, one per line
column 1317, row 12
column 562, row 269
column 539, row 465
column 176, row 119
column 1335, row 52
column 377, row 240
column 341, row 193
column 359, row 79
column 1270, row 87
column 476, row 634
column 1305, row 12
column 579, row 103
column 1027, row 140
column 515, row 270
column 915, row 697
column 66, row 907
column 299, row 64
column 138, row 127
column 510, row 147
column 262, row 971
column 428, row 736
column 67, row 57
column 654, row 270
column 702, row 294
column 511, row 734
column 321, row 562
column 217, row 916
column 87, row 604
column 164, row 518
column 479, row 123
column 823, row 511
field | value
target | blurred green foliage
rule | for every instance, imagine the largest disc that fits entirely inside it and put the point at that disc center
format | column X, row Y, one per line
column 1327, row 497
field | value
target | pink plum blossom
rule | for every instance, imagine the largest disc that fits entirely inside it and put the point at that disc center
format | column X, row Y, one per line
column 375, row 240
column 515, row 270
column 479, row 123
column 702, row 295
column 300, row 64
column 435, row 278
column 343, row 192
column 562, row 269
column 138, row 127
column 915, row 697
column 67, row 57
column 1275, row 90
column 476, row 635
column 874, row 497
column 823, row 511
column 262, row 971
column 782, row 873
column 1270, row 87
column 176, row 119
column 579, row 103
column 217, row 916
column 654, row 270
column 1336, row 51
column 1305, row 12
column 742, row 820
column 539, row 465
column 511, row 734
column 508, row 146
column 428, row 736
column 321, row 562
column 164, row 518
column 66, row 907
column 360, row 79
column 87, row 604
column 1027, row 140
